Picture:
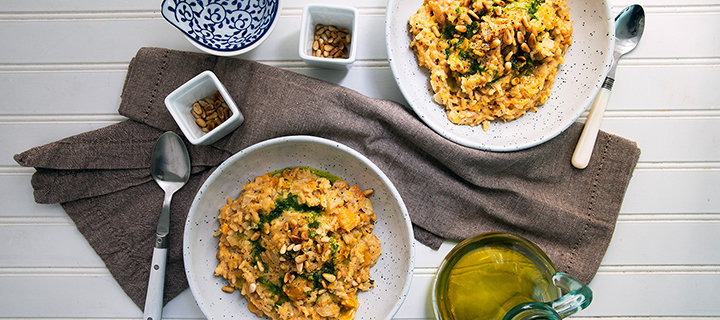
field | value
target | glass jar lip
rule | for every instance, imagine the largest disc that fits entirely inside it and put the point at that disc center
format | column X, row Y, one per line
column 502, row 239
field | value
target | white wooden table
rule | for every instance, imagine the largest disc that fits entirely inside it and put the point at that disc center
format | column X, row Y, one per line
column 62, row 66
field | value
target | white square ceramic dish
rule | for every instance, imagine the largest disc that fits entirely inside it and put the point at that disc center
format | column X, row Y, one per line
column 338, row 16
column 180, row 101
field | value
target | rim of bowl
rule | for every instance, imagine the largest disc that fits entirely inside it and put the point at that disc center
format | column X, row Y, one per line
column 481, row 145
column 330, row 143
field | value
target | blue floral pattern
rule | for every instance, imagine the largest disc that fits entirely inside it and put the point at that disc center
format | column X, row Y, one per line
column 224, row 25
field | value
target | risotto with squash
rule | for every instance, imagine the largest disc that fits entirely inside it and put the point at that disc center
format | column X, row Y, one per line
column 491, row 59
column 298, row 244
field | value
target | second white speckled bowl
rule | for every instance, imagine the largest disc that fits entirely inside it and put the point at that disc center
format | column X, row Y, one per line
column 578, row 81
column 393, row 271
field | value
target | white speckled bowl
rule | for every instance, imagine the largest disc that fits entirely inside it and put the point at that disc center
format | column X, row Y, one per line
column 578, row 81
column 393, row 271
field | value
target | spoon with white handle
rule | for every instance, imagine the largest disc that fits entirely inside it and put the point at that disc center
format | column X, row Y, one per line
column 629, row 25
column 170, row 167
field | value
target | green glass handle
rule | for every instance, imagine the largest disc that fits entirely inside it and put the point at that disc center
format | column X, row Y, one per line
column 577, row 298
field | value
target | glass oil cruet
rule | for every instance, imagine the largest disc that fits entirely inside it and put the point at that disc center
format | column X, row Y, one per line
column 505, row 277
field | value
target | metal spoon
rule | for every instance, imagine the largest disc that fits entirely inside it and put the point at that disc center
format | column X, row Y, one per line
column 629, row 25
column 170, row 167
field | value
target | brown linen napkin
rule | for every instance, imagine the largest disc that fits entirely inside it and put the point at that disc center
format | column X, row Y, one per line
column 451, row 192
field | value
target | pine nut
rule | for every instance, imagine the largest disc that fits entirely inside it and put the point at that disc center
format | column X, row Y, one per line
column 330, row 42
column 507, row 37
column 509, row 56
column 486, row 5
column 532, row 41
column 329, row 277
column 525, row 47
column 525, row 22
column 473, row 14
column 210, row 112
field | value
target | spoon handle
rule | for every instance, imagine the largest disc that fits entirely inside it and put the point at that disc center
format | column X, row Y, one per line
column 586, row 143
column 156, row 285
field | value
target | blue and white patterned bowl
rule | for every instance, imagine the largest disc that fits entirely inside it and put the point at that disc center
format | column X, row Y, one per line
column 223, row 27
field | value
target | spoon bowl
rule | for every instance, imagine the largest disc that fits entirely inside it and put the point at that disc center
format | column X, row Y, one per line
column 170, row 163
column 629, row 26
column 170, row 167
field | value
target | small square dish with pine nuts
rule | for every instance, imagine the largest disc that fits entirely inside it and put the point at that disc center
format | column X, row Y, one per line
column 203, row 109
column 328, row 36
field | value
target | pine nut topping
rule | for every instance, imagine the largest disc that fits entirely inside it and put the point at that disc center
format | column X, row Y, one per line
column 210, row 112
column 331, row 42
column 525, row 47
column 329, row 277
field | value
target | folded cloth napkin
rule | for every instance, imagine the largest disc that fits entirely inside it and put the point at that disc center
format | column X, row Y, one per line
column 102, row 179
